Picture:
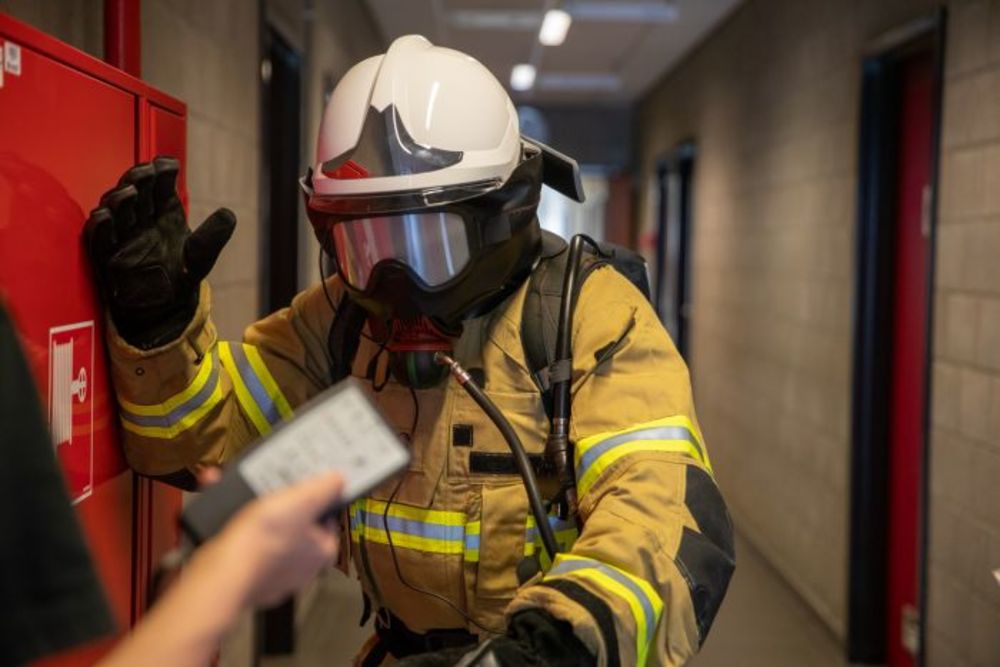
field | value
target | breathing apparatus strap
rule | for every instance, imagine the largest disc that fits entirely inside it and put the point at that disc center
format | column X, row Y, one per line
column 540, row 315
column 345, row 337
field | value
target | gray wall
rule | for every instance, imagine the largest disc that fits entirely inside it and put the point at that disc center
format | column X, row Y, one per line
column 207, row 54
column 965, row 436
column 772, row 98
column 78, row 22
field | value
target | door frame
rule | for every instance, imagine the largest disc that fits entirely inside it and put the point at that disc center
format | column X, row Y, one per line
column 871, row 384
column 682, row 156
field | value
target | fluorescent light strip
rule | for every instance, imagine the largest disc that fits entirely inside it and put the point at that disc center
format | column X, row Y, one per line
column 572, row 82
column 639, row 11
column 554, row 27
column 494, row 19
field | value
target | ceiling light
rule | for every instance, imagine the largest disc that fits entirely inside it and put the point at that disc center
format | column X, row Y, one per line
column 522, row 77
column 489, row 19
column 555, row 25
column 567, row 82
column 635, row 11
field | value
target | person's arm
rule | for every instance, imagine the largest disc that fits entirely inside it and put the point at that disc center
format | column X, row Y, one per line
column 187, row 399
column 642, row 583
column 272, row 548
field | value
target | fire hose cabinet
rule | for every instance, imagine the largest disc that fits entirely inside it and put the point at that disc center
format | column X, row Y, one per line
column 69, row 126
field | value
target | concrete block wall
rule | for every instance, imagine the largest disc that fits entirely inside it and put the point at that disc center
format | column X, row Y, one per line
column 77, row 22
column 772, row 98
column 208, row 54
column 964, row 598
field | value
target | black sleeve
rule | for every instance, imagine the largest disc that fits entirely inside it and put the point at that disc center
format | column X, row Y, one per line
column 51, row 597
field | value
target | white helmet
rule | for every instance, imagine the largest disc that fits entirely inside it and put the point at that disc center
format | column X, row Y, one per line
column 405, row 136
column 420, row 117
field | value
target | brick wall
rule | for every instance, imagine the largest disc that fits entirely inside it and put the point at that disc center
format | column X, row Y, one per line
column 964, row 616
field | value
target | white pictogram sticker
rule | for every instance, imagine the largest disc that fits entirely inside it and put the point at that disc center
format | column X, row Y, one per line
column 71, row 404
column 12, row 58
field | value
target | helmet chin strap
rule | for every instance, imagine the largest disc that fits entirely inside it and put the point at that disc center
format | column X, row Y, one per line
column 412, row 346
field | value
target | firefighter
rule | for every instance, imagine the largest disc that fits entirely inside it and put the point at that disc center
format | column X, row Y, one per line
column 424, row 193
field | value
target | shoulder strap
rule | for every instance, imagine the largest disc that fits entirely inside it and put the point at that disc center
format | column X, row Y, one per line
column 540, row 314
column 344, row 337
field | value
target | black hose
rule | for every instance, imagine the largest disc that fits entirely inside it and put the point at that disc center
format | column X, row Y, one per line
column 517, row 449
column 557, row 445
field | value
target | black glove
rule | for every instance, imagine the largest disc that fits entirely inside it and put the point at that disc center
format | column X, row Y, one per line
column 534, row 639
column 149, row 264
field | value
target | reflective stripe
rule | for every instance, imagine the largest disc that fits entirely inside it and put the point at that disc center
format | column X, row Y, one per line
column 566, row 534
column 439, row 531
column 433, row 531
column 472, row 531
column 597, row 453
column 257, row 392
column 180, row 412
column 641, row 598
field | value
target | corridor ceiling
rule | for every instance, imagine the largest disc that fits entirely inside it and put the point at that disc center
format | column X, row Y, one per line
column 614, row 51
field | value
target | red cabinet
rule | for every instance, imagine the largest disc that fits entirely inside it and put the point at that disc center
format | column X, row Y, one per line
column 69, row 126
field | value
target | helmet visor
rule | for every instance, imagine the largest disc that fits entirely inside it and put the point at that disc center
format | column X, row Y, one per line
column 435, row 246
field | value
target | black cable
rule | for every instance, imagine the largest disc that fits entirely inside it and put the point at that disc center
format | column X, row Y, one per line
column 392, row 547
column 416, row 589
column 517, row 449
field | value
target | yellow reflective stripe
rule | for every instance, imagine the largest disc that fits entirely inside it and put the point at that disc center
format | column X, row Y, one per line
column 603, row 463
column 565, row 538
column 433, row 531
column 174, row 430
column 641, row 598
column 246, row 400
column 445, row 517
column 472, row 532
column 595, row 454
column 403, row 540
column 266, row 379
column 167, row 406
column 169, row 419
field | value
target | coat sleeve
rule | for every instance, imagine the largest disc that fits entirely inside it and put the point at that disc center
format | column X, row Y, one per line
column 200, row 401
column 642, row 583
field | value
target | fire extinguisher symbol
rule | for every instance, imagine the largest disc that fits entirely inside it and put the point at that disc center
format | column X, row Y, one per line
column 71, row 403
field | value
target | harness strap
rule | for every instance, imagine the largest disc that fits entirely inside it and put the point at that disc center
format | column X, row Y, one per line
column 399, row 641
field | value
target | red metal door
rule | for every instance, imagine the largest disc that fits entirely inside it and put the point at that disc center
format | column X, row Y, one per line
column 161, row 132
column 69, row 126
column 909, row 356
column 53, row 172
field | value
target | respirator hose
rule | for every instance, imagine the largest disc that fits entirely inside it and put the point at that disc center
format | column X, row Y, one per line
column 514, row 443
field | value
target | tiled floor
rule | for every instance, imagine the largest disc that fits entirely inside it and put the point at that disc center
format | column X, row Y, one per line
column 763, row 623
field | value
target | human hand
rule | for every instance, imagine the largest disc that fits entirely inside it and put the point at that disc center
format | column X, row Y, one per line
column 276, row 544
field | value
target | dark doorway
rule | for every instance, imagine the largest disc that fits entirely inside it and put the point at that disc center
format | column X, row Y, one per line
column 281, row 85
column 896, row 220
column 675, row 177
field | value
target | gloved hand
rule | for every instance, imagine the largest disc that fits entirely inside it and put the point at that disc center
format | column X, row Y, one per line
column 149, row 264
column 534, row 639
